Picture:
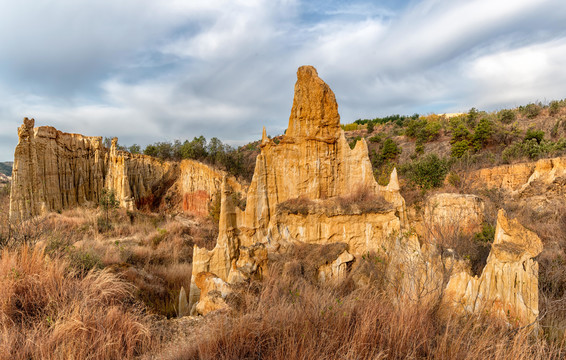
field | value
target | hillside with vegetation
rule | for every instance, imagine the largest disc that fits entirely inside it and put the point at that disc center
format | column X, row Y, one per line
column 418, row 144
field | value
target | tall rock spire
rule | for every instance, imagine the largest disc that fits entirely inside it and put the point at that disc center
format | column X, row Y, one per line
column 315, row 111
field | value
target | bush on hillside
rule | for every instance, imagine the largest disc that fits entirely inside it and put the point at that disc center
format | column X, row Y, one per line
column 530, row 110
column 506, row 116
column 460, row 148
column 482, row 134
column 533, row 134
column 428, row 172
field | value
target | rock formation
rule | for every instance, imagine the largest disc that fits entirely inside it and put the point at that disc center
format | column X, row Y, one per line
column 183, row 309
column 213, row 293
column 517, row 177
column 138, row 180
column 313, row 161
column 447, row 213
column 54, row 171
column 508, row 286
column 336, row 270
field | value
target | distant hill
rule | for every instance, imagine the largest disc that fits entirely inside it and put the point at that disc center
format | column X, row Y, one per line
column 6, row 168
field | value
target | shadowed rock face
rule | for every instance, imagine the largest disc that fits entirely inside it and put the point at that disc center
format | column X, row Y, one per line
column 54, row 171
column 508, row 285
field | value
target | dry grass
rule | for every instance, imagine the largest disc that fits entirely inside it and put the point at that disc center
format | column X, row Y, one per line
column 287, row 317
column 48, row 312
column 361, row 200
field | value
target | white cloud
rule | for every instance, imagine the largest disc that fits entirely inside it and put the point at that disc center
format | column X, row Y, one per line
column 147, row 70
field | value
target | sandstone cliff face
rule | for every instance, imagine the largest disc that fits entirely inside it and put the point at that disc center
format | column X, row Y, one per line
column 508, row 285
column 138, row 180
column 447, row 213
column 54, row 171
column 214, row 292
column 517, row 177
column 362, row 233
column 199, row 184
column 228, row 261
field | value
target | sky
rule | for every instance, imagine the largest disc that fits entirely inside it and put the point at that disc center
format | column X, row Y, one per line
column 160, row 70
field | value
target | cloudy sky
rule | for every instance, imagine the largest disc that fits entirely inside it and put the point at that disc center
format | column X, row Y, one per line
column 156, row 70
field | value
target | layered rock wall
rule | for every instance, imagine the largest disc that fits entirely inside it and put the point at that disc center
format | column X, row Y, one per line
column 362, row 232
column 517, row 177
column 54, row 171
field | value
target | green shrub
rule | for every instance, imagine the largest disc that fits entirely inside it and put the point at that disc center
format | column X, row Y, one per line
column 432, row 130
column 377, row 138
column 554, row 131
column 350, row 127
column 472, row 117
column 134, row 149
column 419, row 147
column 384, row 175
column 370, row 127
column 389, row 150
column 423, row 129
column 486, row 235
column 506, row 116
column 454, row 179
column 537, row 135
column 530, row 110
column 428, row 172
column 554, row 107
column 460, row 148
column 459, row 133
column 482, row 134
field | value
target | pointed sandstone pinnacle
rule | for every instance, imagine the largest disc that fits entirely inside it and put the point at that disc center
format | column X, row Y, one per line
column 184, row 308
column 393, row 181
column 264, row 138
column 315, row 111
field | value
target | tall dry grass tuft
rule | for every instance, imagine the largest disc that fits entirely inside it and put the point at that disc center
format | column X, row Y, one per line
column 292, row 318
column 48, row 312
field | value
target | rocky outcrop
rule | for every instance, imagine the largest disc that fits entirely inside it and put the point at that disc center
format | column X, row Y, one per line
column 139, row 181
column 508, row 286
column 337, row 269
column 227, row 260
column 448, row 213
column 362, row 232
column 199, row 184
column 517, row 177
column 183, row 309
column 312, row 161
column 213, row 293
column 53, row 171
